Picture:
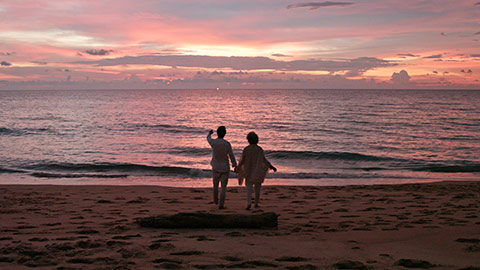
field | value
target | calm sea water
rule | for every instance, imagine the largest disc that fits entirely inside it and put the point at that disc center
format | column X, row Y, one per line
column 314, row 137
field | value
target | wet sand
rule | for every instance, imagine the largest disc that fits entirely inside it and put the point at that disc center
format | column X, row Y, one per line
column 412, row 226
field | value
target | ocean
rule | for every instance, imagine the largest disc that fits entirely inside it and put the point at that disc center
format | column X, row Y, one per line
column 313, row 137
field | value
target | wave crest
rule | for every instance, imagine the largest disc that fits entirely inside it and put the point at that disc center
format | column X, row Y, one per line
column 450, row 168
column 324, row 155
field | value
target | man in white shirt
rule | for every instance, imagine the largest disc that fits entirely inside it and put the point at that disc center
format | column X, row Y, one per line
column 221, row 151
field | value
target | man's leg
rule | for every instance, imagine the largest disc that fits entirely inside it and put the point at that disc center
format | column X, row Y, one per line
column 249, row 187
column 223, row 192
column 216, row 180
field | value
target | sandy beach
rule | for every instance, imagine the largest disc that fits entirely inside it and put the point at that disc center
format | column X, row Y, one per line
column 350, row 227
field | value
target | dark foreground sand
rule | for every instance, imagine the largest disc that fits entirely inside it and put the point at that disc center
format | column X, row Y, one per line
column 356, row 227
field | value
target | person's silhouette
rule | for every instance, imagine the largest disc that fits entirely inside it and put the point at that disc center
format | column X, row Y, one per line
column 221, row 152
column 253, row 167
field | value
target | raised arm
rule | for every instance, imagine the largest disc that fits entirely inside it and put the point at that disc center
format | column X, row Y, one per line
column 209, row 137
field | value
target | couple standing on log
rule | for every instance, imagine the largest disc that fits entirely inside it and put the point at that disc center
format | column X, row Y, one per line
column 253, row 166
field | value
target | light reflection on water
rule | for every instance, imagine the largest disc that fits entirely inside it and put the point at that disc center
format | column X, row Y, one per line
column 410, row 132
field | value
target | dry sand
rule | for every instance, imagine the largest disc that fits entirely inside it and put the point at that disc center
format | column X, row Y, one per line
column 354, row 227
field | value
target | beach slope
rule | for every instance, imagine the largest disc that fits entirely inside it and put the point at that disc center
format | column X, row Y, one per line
column 419, row 226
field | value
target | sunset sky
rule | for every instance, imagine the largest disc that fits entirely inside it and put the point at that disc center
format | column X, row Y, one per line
column 58, row 44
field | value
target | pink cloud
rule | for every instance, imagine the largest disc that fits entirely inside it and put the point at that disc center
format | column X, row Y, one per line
column 400, row 78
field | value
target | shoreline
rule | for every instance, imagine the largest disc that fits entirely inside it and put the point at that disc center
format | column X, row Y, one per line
column 207, row 182
column 236, row 186
column 320, row 227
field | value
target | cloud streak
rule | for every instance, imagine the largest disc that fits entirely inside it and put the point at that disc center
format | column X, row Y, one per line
column 354, row 66
column 280, row 55
column 98, row 52
column 407, row 55
column 436, row 56
column 5, row 63
column 317, row 5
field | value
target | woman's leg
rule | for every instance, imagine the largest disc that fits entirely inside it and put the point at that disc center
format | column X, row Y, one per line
column 249, row 187
column 258, row 187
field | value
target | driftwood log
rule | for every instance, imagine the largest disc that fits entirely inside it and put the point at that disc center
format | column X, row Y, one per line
column 210, row 220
